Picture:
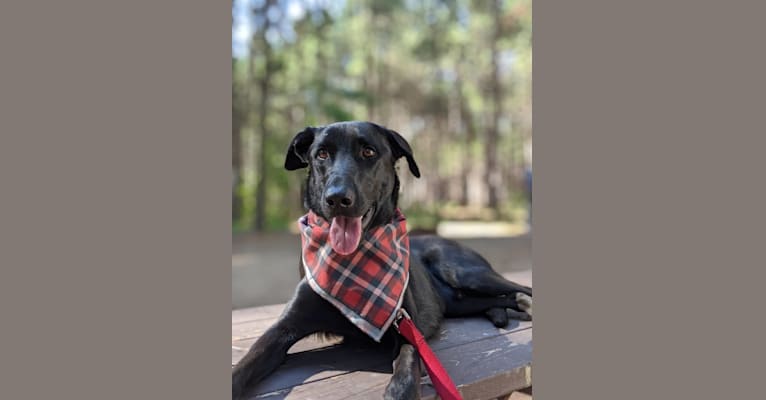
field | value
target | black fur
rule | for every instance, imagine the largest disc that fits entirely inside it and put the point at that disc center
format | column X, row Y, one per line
column 446, row 278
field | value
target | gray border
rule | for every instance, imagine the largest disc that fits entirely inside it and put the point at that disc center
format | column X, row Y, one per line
column 115, row 214
column 648, row 200
column 644, row 271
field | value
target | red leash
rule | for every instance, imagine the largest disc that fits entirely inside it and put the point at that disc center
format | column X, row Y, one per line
column 439, row 377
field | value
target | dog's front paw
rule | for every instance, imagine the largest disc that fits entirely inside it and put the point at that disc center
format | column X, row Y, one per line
column 525, row 302
column 498, row 316
column 402, row 389
column 237, row 392
column 238, row 385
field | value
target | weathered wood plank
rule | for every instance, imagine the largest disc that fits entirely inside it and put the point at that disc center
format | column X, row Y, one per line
column 459, row 331
column 239, row 349
column 452, row 332
column 355, row 385
column 484, row 369
column 250, row 329
column 484, row 361
column 516, row 396
column 306, row 344
column 490, row 368
column 256, row 313
column 321, row 362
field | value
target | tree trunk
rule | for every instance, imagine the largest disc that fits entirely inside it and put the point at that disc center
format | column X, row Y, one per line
column 467, row 123
column 260, row 191
column 236, row 142
column 370, row 86
column 491, row 173
column 264, row 91
column 236, row 156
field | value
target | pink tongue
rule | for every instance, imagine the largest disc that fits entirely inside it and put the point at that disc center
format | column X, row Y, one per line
column 345, row 233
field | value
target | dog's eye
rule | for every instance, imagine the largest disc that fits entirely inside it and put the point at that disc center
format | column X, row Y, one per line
column 322, row 154
column 368, row 152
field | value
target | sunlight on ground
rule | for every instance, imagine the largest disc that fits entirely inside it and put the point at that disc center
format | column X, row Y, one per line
column 241, row 260
column 469, row 229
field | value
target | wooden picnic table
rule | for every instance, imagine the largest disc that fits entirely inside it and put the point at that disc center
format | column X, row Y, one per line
column 485, row 362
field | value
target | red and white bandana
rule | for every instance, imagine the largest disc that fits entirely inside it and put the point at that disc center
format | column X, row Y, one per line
column 368, row 285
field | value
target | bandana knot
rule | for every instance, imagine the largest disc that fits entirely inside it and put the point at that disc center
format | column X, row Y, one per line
column 366, row 286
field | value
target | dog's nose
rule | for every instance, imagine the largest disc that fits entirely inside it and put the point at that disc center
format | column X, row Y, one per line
column 339, row 197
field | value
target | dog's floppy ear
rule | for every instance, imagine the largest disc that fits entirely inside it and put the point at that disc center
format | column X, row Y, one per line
column 400, row 148
column 297, row 152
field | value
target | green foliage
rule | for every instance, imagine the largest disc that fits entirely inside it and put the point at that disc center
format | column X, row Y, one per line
column 335, row 112
column 420, row 67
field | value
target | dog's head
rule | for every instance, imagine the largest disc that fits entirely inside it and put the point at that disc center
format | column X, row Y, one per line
column 352, row 178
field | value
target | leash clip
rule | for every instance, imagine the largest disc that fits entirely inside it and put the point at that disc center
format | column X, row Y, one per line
column 440, row 379
column 402, row 313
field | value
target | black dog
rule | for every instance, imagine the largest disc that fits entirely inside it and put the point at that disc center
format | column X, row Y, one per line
column 352, row 177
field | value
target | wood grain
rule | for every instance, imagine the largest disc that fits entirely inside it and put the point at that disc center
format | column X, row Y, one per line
column 485, row 362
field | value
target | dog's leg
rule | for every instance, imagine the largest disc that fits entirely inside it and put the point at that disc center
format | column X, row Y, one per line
column 264, row 356
column 462, row 268
column 303, row 315
column 474, row 305
column 491, row 283
column 405, row 383
column 498, row 316
column 492, row 307
column 525, row 302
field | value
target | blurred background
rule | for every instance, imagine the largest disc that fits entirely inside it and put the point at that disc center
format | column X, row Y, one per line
column 454, row 77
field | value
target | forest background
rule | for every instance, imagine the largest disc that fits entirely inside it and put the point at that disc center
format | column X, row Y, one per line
column 452, row 76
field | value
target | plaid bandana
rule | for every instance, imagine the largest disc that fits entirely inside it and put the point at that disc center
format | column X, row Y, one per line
column 367, row 286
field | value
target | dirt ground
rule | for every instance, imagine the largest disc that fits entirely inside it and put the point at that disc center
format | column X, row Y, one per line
column 265, row 266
